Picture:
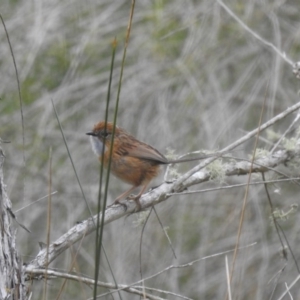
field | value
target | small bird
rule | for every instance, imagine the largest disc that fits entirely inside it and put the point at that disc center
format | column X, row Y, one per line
column 132, row 161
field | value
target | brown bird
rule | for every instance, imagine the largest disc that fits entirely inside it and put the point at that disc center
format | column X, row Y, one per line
column 132, row 161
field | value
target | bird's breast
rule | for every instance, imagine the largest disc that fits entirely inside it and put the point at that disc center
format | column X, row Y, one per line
column 97, row 145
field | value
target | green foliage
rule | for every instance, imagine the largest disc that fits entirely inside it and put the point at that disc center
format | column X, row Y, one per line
column 167, row 37
column 57, row 57
column 217, row 171
column 284, row 215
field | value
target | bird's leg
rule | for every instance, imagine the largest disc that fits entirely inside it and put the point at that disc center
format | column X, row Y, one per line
column 123, row 195
column 137, row 198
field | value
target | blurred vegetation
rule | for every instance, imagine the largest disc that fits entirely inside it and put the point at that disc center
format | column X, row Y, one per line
column 194, row 79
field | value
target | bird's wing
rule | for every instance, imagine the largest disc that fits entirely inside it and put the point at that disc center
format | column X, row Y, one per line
column 134, row 148
column 145, row 151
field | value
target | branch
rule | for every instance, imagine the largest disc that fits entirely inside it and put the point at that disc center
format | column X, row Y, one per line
column 11, row 272
column 40, row 273
column 89, row 281
column 260, row 165
column 195, row 176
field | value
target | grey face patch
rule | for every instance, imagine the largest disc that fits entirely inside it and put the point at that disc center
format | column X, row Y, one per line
column 97, row 145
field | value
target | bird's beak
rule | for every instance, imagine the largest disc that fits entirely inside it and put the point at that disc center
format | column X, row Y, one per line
column 91, row 133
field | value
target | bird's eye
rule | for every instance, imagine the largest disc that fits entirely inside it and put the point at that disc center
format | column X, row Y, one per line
column 104, row 133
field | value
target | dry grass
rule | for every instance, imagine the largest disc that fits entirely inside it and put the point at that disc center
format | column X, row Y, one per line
column 194, row 79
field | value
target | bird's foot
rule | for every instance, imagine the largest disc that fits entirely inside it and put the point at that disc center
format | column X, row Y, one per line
column 137, row 202
column 117, row 202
